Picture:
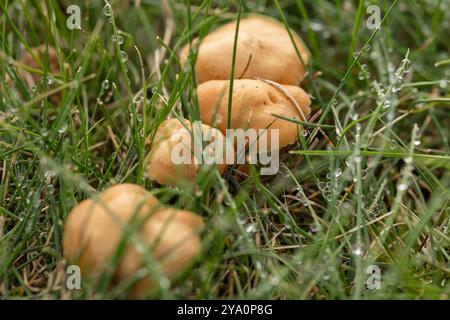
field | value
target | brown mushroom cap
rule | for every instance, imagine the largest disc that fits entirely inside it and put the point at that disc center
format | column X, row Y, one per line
column 254, row 102
column 264, row 50
column 44, row 54
column 95, row 228
column 159, row 163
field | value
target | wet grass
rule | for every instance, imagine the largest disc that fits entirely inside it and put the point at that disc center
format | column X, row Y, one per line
column 367, row 185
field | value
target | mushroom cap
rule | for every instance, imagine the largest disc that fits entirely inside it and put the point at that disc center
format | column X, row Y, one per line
column 159, row 162
column 254, row 102
column 264, row 50
column 95, row 228
column 43, row 53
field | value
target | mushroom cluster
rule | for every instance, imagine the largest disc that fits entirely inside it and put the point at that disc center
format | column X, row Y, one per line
column 269, row 64
column 268, row 70
column 96, row 228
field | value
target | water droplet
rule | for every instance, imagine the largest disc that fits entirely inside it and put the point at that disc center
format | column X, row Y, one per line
column 355, row 54
column 63, row 128
column 417, row 142
column 118, row 38
column 49, row 174
column 275, row 280
column 105, row 84
column 284, row 170
column 137, row 99
column 338, row 172
column 349, row 161
column 155, row 90
column 50, row 80
column 164, row 283
column 322, row 185
column 396, row 89
column 358, row 250
column 250, row 228
column 107, row 10
column 305, row 132
column 123, row 56
column 316, row 26
column 402, row 187
column 443, row 84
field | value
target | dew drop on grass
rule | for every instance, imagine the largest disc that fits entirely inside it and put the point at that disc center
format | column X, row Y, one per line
column 314, row 228
column 250, row 228
column 118, row 38
column 107, row 10
column 105, row 84
column 358, row 251
column 164, row 283
column 443, row 84
column 155, row 90
column 305, row 132
column 349, row 161
column 50, row 80
column 322, row 185
column 417, row 142
column 338, row 172
column 284, row 170
column 123, row 56
column 402, row 187
column 63, row 128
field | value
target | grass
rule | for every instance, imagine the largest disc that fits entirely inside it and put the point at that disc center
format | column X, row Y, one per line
column 368, row 185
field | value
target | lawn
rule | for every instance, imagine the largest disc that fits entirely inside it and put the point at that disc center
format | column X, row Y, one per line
column 358, row 210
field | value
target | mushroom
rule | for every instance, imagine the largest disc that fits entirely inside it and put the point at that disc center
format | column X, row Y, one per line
column 172, row 159
column 253, row 106
column 42, row 53
column 264, row 50
column 95, row 228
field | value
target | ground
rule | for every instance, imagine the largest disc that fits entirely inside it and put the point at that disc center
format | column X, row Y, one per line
column 359, row 209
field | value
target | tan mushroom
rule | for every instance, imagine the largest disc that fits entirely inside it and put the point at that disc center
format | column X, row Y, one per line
column 175, row 139
column 264, row 50
column 253, row 106
column 96, row 226
column 43, row 54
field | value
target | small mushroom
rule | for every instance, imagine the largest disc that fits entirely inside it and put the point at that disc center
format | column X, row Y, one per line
column 264, row 50
column 254, row 104
column 172, row 159
column 43, row 54
column 95, row 228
